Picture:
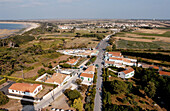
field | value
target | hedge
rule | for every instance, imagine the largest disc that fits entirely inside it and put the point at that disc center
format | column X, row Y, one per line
column 28, row 81
column 2, row 81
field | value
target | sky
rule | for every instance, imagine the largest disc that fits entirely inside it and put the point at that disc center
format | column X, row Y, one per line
column 84, row 9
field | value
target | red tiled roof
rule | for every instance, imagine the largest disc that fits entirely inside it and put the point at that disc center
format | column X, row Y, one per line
column 126, row 60
column 86, row 75
column 164, row 73
column 57, row 77
column 114, row 58
column 115, row 53
column 109, row 62
column 90, row 68
column 154, row 67
column 24, row 87
column 128, row 70
column 71, row 61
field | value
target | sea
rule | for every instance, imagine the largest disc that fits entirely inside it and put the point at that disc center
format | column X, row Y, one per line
column 12, row 26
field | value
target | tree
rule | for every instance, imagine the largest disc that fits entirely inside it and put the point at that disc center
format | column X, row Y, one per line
column 41, row 71
column 150, row 89
column 78, row 81
column 72, row 94
column 108, row 48
column 83, row 88
column 3, row 99
column 77, row 104
column 118, row 86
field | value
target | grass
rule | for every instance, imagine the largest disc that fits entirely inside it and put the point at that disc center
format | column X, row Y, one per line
column 150, row 38
column 166, row 34
column 125, row 44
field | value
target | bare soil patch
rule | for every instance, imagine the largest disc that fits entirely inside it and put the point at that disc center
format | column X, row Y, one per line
column 152, row 31
column 12, row 105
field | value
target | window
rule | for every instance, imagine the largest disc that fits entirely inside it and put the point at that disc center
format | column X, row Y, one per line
column 88, row 79
column 39, row 88
column 82, row 78
column 12, row 90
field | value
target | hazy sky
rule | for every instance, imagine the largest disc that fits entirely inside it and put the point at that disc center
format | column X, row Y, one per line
column 77, row 9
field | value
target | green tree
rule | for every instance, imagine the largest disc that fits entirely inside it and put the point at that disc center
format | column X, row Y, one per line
column 77, row 104
column 118, row 86
column 3, row 99
column 150, row 89
column 108, row 48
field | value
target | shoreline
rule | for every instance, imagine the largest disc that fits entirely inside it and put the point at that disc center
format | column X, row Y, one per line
column 28, row 26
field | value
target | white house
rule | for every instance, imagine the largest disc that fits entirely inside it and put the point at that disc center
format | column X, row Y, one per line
column 128, row 73
column 86, row 78
column 25, row 89
column 116, row 60
column 90, row 70
column 114, row 54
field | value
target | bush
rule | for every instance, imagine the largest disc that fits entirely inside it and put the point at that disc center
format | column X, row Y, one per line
column 72, row 94
column 65, row 65
column 2, row 81
column 3, row 99
column 78, row 81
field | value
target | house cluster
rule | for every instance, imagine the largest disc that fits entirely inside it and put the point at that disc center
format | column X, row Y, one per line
column 87, row 75
column 64, row 27
column 59, row 78
column 116, row 59
column 25, row 89
column 80, row 52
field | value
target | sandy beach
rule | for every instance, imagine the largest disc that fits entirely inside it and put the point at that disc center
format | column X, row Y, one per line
column 29, row 26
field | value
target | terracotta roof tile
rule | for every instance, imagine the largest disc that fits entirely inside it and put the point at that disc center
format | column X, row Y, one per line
column 24, row 87
column 71, row 61
column 128, row 70
column 164, row 73
column 114, row 58
column 86, row 75
column 90, row 68
column 109, row 62
column 115, row 53
column 57, row 77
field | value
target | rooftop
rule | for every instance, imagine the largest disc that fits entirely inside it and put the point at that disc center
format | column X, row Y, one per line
column 57, row 78
column 72, row 61
column 164, row 73
column 86, row 75
column 128, row 70
column 110, row 62
column 24, row 87
column 90, row 68
column 115, row 53
column 114, row 58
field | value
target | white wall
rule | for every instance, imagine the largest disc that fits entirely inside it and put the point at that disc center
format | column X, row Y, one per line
column 26, row 93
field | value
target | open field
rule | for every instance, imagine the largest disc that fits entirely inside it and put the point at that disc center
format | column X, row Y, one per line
column 126, row 44
column 13, row 105
column 83, row 41
column 144, row 39
column 38, row 65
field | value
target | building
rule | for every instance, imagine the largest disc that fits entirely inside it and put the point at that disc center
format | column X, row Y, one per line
column 25, row 89
column 86, row 78
column 127, row 73
column 90, row 70
column 163, row 73
column 116, row 60
column 114, row 54
column 87, row 75
column 58, row 79
column 72, row 61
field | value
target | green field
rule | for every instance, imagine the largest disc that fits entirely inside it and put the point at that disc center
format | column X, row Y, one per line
column 166, row 34
column 125, row 44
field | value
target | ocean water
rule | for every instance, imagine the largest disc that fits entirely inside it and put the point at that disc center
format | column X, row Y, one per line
column 11, row 26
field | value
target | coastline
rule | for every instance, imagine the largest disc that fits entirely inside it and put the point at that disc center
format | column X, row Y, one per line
column 29, row 26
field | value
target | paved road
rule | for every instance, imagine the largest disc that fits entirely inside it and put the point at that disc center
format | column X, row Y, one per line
column 45, row 102
column 99, row 60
